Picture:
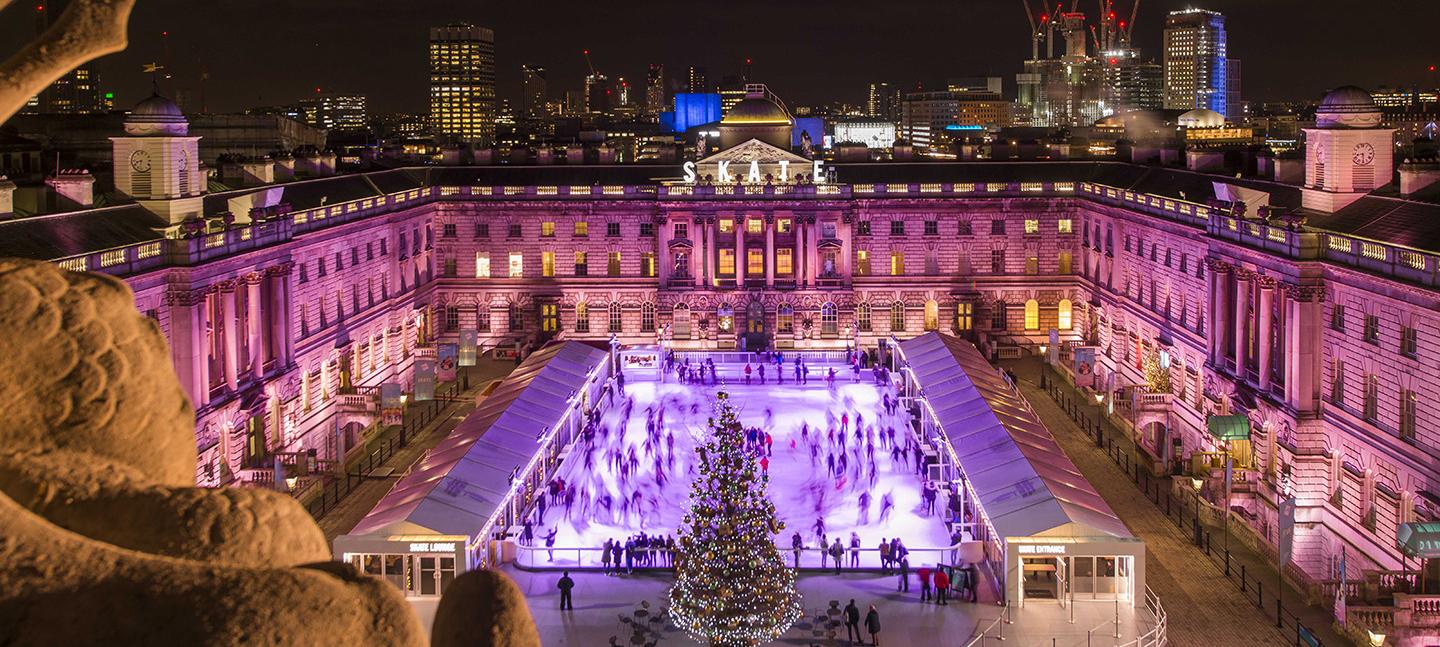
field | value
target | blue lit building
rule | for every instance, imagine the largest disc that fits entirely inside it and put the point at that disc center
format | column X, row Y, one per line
column 691, row 109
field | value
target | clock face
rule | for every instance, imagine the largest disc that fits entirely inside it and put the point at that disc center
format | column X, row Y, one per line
column 1364, row 154
column 140, row 161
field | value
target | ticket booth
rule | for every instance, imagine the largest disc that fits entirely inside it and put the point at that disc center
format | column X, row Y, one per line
column 1075, row 568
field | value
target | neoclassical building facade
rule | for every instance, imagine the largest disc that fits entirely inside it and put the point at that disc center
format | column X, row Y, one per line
column 294, row 302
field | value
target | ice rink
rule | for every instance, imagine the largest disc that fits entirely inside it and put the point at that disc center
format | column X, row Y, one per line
column 632, row 481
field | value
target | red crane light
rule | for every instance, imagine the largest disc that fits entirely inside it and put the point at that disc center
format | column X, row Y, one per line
column 1044, row 17
column 39, row 7
column 1122, row 24
column 1432, row 68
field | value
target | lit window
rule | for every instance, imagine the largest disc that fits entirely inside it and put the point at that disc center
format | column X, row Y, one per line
column 547, row 229
column 547, row 263
column 754, row 226
column 727, row 262
column 582, row 266
column 754, row 262
column 517, row 265
column 582, row 228
column 582, row 317
column 862, row 317
column 613, row 265
column 932, row 316
column 783, row 225
column 1063, row 263
column 647, row 264
column 1032, row 315
column 1032, row 226
column 1066, row 315
column 727, row 225
column 964, row 317
column 897, row 264
column 784, row 261
column 862, row 262
column 1064, row 226
column 482, row 265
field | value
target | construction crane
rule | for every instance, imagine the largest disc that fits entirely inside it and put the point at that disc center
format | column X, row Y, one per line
column 588, row 63
column 1035, row 34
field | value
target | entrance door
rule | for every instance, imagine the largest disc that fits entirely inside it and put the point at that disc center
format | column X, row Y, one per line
column 427, row 579
column 549, row 319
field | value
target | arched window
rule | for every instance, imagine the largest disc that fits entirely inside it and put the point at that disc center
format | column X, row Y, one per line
column 726, row 318
column 1066, row 315
column 680, row 324
column 862, row 317
column 897, row 317
column 647, row 317
column 785, row 319
column 1032, row 315
column 932, row 316
column 582, row 317
column 829, row 321
column 617, row 320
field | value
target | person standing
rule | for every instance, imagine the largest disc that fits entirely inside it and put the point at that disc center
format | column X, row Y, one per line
column 605, row 555
column 762, row 373
column 565, row 584
column 872, row 625
column 884, row 556
column 854, row 550
column 837, row 553
column 942, row 586
column 747, row 372
column 852, row 623
column 796, row 544
column 923, row 574
column 904, row 575
column 550, row 543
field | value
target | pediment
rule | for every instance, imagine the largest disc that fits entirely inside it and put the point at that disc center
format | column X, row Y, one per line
column 754, row 151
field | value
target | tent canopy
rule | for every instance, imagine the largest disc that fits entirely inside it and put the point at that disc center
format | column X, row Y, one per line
column 1025, row 483
column 1419, row 539
column 461, row 482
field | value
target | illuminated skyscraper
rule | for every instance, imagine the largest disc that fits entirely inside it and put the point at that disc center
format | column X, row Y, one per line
column 1195, row 67
column 534, row 93
column 883, row 101
column 698, row 81
column 78, row 92
column 462, row 82
column 655, row 89
column 597, row 93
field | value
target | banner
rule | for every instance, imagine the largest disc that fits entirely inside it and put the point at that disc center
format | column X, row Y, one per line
column 1085, row 366
column 468, row 347
column 1052, row 351
column 424, row 379
column 1287, row 530
column 392, row 404
column 446, row 357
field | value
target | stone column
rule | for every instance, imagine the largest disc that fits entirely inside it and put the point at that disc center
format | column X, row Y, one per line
column 798, row 266
column 740, row 252
column 663, row 257
column 1303, row 383
column 254, row 317
column 1266, row 285
column 228, row 326
column 1215, row 321
column 187, row 342
column 812, row 250
column 699, row 261
column 1242, row 320
column 769, row 252
column 280, row 342
column 846, row 251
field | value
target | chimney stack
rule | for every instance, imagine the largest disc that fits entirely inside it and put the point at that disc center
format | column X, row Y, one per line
column 75, row 185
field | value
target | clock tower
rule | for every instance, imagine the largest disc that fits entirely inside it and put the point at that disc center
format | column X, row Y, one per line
column 157, row 162
column 1347, row 153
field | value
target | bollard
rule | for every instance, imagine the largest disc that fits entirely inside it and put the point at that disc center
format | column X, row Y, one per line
column 1117, row 618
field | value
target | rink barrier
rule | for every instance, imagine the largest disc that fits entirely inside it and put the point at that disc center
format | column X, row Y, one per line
column 741, row 357
column 537, row 558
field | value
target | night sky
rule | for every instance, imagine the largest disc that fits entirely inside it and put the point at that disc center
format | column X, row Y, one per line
column 265, row 52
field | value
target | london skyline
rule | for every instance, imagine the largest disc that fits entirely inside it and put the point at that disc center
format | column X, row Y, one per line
column 807, row 53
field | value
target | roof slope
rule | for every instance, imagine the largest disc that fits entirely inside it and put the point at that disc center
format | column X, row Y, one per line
column 462, row 481
column 1025, row 483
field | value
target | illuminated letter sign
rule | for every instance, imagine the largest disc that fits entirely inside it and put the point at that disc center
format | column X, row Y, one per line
column 1042, row 549
column 722, row 171
column 784, row 170
column 423, row 547
column 689, row 172
column 818, row 174
column 754, row 175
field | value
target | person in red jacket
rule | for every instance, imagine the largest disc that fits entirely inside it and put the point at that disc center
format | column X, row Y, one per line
column 924, row 574
column 942, row 586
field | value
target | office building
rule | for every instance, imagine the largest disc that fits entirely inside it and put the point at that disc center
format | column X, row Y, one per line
column 698, row 81
column 599, row 95
column 462, row 83
column 335, row 111
column 883, row 102
column 534, row 93
column 1131, row 83
column 1195, row 61
column 655, row 89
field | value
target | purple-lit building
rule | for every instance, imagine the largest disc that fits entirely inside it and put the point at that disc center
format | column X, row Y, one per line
column 1310, row 310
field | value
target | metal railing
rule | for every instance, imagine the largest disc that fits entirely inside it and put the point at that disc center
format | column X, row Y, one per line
column 1184, row 511
column 333, row 488
column 741, row 357
column 540, row 557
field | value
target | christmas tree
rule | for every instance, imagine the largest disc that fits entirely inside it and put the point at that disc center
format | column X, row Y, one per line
column 731, row 587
